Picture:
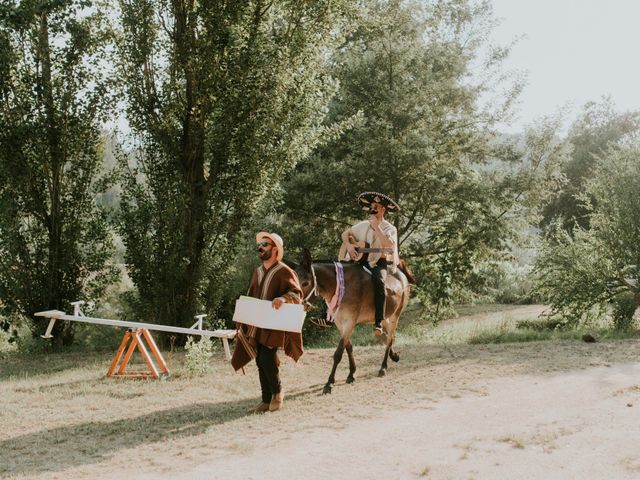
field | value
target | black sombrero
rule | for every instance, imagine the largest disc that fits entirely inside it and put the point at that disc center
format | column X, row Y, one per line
column 365, row 199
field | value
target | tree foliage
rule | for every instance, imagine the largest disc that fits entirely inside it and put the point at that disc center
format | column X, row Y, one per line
column 53, row 94
column 582, row 273
column 411, row 74
column 598, row 128
column 222, row 98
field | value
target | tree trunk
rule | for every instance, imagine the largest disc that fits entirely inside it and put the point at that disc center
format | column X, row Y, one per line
column 192, row 162
column 53, row 295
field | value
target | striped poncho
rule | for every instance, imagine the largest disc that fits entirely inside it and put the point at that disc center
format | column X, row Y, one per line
column 278, row 281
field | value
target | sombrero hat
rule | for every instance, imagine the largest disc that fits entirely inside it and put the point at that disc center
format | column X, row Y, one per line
column 276, row 239
column 366, row 198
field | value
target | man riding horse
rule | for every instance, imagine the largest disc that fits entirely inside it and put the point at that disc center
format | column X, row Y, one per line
column 374, row 242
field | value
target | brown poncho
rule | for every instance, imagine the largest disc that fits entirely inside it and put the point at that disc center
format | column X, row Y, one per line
column 278, row 281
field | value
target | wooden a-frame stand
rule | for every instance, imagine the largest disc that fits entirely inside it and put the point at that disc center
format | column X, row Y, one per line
column 134, row 339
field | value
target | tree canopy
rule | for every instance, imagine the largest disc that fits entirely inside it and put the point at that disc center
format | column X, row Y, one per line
column 584, row 272
column 274, row 115
column 53, row 93
column 412, row 76
column 222, row 98
column 598, row 128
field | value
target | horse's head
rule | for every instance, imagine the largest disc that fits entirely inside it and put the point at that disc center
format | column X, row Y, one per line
column 307, row 277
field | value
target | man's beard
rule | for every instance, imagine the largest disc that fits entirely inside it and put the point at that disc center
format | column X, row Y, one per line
column 264, row 255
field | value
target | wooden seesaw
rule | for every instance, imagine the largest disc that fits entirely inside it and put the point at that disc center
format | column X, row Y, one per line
column 134, row 338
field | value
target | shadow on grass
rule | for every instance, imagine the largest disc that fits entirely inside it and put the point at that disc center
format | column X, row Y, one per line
column 71, row 446
column 28, row 366
column 57, row 449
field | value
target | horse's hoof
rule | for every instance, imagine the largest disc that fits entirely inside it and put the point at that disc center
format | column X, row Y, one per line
column 394, row 356
column 350, row 379
column 382, row 372
column 326, row 389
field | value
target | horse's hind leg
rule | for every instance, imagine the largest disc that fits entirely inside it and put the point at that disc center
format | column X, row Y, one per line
column 393, row 355
column 352, row 363
column 337, row 356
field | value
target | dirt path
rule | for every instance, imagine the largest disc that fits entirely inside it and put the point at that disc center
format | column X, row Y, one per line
column 512, row 411
column 574, row 425
column 504, row 411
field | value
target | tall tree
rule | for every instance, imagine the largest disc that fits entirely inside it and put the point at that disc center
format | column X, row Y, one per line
column 222, row 98
column 598, row 128
column 412, row 72
column 55, row 242
column 583, row 272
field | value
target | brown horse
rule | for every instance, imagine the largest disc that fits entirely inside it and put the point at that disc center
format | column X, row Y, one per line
column 357, row 305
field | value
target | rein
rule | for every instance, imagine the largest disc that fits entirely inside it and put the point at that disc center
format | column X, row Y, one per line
column 314, row 290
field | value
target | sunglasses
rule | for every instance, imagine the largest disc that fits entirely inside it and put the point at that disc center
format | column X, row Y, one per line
column 264, row 244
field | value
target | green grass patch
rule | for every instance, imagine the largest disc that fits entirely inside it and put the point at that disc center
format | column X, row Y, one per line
column 494, row 336
column 475, row 309
column 414, row 329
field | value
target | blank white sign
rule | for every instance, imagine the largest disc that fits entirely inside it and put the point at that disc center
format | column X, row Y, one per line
column 253, row 311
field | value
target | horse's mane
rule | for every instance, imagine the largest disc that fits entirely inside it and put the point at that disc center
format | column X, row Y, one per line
column 289, row 263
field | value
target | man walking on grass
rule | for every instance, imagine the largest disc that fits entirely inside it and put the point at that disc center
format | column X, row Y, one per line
column 274, row 281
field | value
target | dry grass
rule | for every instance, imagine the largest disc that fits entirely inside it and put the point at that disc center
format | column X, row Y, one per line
column 62, row 418
column 476, row 321
column 514, row 442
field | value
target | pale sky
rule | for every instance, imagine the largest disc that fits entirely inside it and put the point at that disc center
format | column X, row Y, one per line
column 574, row 51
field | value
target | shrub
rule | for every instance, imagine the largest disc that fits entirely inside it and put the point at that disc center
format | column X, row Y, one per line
column 30, row 345
column 547, row 324
column 624, row 306
column 198, row 356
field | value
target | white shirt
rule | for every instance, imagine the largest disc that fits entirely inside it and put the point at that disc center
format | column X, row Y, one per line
column 363, row 232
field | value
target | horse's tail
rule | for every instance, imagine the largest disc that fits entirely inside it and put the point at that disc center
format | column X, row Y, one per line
column 407, row 272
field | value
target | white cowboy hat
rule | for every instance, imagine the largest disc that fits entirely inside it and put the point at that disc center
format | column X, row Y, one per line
column 276, row 239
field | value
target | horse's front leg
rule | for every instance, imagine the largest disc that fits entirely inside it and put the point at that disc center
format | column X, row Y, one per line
column 389, row 351
column 352, row 362
column 337, row 356
column 383, row 367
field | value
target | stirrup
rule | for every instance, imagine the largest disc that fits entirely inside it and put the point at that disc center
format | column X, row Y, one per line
column 321, row 322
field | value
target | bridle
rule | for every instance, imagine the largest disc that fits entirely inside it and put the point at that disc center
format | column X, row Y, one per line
column 314, row 290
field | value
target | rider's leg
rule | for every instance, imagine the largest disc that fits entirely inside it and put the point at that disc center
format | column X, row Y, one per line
column 379, row 277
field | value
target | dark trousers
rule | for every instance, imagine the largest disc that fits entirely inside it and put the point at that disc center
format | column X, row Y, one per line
column 268, row 371
column 379, row 277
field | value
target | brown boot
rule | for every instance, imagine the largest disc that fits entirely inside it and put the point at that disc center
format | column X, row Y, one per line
column 260, row 408
column 276, row 401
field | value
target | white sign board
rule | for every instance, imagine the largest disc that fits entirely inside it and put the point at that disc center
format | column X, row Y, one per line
column 253, row 311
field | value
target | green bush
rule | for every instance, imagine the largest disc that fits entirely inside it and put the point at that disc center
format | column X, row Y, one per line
column 197, row 356
column 624, row 306
column 6, row 346
column 30, row 345
column 491, row 337
column 547, row 324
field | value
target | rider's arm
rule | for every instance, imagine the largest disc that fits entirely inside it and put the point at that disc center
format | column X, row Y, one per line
column 345, row 240
column 386, row 238
column 345, row 235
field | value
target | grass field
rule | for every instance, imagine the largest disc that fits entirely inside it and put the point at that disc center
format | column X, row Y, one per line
column 62, row 418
